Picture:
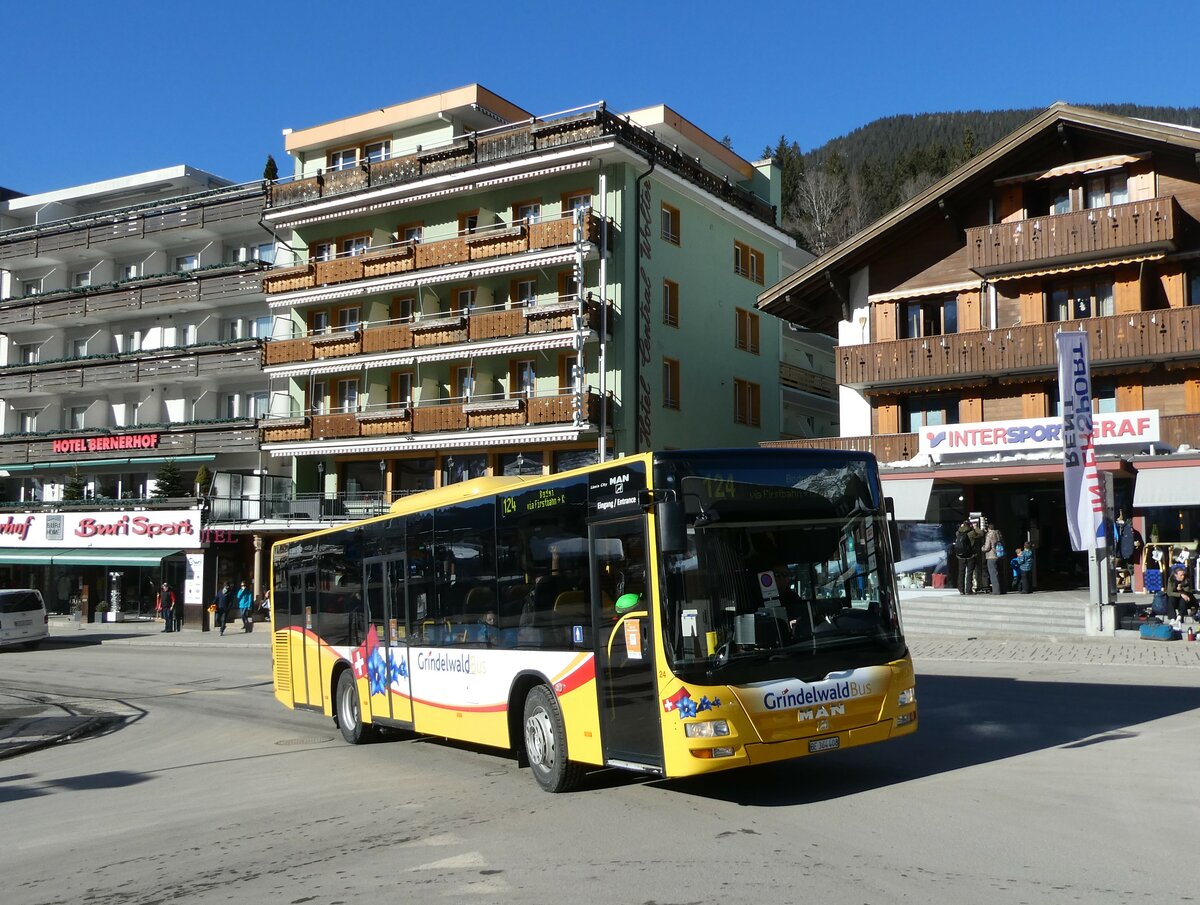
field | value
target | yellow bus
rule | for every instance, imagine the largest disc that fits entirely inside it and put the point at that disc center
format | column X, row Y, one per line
column 674, row 613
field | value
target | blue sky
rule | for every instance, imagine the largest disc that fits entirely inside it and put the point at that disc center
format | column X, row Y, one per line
column 96, row 90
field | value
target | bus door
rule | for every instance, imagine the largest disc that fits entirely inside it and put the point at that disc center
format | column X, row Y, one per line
column 621, row 611
column 385, row 612
column 311, row 591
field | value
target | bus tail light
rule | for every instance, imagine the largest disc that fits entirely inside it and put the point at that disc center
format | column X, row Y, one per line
column 706, row 729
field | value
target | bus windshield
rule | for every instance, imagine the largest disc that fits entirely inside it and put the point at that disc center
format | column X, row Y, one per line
column 783, row 575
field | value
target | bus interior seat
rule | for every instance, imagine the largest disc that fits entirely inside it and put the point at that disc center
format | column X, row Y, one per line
column 571, row 604
column 479, row 601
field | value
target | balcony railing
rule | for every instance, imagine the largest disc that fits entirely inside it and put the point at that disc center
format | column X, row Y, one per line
column 146, row 220
column 1079, row 236
column 807, row 381
column 398, row 336
column 513, row 142
column 440, row 416
column 1174, row 431
column 203, row 360
column 404, row 257
column 228, row 435
column 213, row 285
column 1013, row 353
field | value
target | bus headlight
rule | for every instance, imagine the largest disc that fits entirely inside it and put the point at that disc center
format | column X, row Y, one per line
column 908, row 696
column 706, row 729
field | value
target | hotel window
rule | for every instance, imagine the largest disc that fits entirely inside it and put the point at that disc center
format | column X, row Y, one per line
column 670, row 387
column 468, row 222
column 464, row 300
column 256, row 405
column 464, row 382
column 929, row 317
column 31, row 287
column 1104, row 398
column 1194, row 288
column 670, row 224
column 527, row 212
column 349, row 318
column 76, row 418
column 264, row 253
column 1107, row 188
column 523, row 375
column 1078, row 300
column 917, row 412
column 347, row 395
column 573, row 201
column 317, row 401
column 412, row 233
column 343, row 159
column 570, row 375
column 378, row 150
column 670, row 303
column 354, row 245
column 29, row 354
column 260, row 327
column 78, row 348
column 28, row 421
column 185, row 263
column 318, row 322
column 748, row 262
column 127, row 271
column 746, row 403
column 81, row 280
column 568, row 286
column 402, row 388
column 231, row 406
column 404, row 309
column 524, row 293
column 747, row 331
column 321, row 251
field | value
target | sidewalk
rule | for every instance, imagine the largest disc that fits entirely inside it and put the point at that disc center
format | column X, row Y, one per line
column 65, row 630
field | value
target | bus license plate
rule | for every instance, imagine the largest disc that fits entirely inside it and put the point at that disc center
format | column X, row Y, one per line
column 23, row 622
column 824, row 744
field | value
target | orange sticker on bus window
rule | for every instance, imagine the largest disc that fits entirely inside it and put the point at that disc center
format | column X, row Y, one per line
column 633, row 638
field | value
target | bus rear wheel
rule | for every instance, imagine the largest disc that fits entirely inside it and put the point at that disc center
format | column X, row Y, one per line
column 348, row 711
column 546, row 743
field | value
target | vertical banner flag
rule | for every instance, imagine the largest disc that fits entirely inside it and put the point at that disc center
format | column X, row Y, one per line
column 1085, row 503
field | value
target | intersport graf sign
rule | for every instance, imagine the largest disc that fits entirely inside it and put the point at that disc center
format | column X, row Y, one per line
column 165, row 529
column 1029, row 434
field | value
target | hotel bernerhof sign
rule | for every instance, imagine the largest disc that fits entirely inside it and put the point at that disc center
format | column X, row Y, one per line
column 1029, row 434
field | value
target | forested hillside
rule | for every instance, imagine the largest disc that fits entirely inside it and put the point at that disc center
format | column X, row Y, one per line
column 831, row 192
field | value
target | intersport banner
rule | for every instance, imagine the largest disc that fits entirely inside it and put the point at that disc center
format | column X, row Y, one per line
column 1085, row 503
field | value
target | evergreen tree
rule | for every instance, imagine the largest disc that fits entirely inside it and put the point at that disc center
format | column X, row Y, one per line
column 75, row 486
column 203, row 479
column 170, row 482
column 271, row 170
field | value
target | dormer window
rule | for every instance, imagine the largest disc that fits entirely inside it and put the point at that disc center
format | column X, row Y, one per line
column 1107, row 188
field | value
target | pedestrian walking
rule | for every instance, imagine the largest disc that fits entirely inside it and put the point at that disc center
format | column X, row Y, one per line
column 964, row 551
column 245, row 602
column 226, row 601
column 1025, row 564
column 165, row 604
column 994, row 556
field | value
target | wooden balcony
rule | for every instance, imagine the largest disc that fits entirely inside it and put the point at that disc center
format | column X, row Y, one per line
column 1080, row 236
column 509, row 143
column 480, row 246
column 145, row 221
column 431, row 332
column 179, row 439
column 432, row 418
column 166, row 365
column 807, row 381
column 1174, row 430
column 210, row 287
column 1123, row 341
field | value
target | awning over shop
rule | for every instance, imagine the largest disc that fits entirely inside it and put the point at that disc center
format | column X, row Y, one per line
column 1167, row 487
column 911, row 497
column 83, row 557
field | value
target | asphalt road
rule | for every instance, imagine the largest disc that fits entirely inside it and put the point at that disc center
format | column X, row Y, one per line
column 1032, row 783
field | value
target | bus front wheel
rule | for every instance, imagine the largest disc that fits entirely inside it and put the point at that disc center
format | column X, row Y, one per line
column 348, row 710
column 546, row 743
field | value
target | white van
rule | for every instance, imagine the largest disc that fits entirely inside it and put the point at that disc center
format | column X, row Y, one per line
column 23, row 618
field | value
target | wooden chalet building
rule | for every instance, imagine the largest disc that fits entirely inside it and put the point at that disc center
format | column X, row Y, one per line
column 946, row 312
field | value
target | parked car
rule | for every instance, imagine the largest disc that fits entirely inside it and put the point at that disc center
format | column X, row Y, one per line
column 23, row 618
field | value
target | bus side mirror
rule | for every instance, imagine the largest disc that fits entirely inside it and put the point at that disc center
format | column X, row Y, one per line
column 672, row 525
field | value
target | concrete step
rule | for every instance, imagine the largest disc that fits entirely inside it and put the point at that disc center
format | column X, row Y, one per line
column 987, row 614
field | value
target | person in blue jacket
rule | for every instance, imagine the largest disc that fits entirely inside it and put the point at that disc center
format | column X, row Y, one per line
column 245, row 601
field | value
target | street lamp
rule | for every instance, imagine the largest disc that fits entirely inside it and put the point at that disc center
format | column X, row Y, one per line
column 449, row 469
column 383, row 482
column 321, row 489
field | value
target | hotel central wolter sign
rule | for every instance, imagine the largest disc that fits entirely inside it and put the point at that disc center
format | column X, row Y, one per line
column 105, row 444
